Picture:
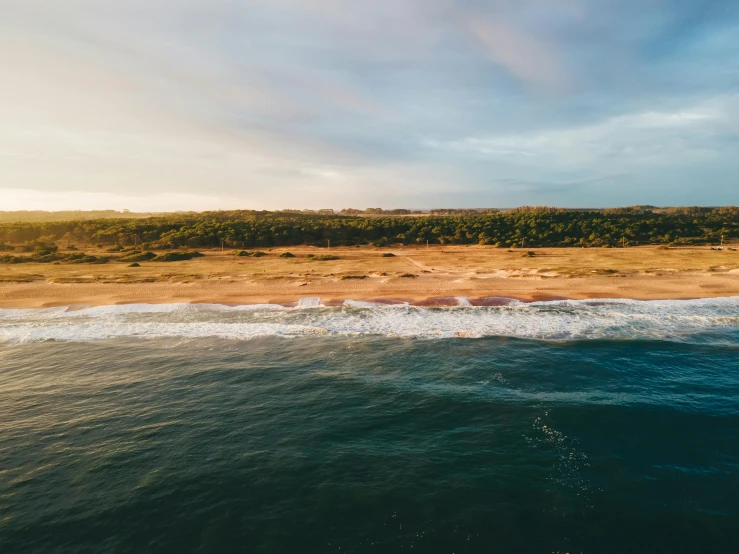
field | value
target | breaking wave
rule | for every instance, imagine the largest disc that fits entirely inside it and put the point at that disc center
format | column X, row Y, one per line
column 710, row 321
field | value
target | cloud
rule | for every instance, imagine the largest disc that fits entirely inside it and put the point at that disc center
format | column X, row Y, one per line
column 674, row 137
column 369, row 102
column 521, row 53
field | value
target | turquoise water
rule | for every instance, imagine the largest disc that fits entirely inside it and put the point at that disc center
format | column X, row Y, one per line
column 547, row 427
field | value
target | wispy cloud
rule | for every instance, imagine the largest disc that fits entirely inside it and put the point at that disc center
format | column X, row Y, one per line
column 649, row 137
column 369, row 102
column 522, row 53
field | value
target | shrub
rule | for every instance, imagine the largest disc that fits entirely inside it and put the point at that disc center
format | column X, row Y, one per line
column 7, row 259
column 134, row 264
column 287, row 255
column 528, row 254
column 45, row 257
column 176, row 256
column 137, row 256
column 84, row 259
column 322, row 258
column 38, row 246
column 388, row 255
column 407, row 276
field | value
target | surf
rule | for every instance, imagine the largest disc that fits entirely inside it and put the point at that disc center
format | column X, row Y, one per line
column 713, row 321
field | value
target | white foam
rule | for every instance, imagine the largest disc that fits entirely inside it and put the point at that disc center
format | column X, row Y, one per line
column 309, row 302
column 360, row 304
column 682, row 320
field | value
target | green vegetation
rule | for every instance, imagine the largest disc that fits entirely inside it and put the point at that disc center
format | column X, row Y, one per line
column 322, row 257
column 176, row 256
column 138, row 256
column 47, row 253
column 287, row 255
column 80, row 258
column 522, row 227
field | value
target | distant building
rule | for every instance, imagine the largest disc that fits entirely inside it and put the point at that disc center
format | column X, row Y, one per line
column 327, row 211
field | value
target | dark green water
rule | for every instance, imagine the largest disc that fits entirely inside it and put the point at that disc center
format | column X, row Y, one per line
column 369, row 444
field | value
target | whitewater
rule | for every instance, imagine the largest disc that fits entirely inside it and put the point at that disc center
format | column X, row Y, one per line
column 707, row 321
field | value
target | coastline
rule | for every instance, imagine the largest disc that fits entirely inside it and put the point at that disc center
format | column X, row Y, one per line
column 430, row 302
column 418, row 276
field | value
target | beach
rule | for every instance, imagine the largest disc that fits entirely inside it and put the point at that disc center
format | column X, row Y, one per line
column 437, row 275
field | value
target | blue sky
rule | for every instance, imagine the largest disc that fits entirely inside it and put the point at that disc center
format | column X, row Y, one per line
column 202, row 104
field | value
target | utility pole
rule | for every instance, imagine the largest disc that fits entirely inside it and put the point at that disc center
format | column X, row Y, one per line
column 427, row 245
column 221, row 246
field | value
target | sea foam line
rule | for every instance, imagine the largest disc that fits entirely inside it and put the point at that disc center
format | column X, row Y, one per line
column 555, row 321
column 311, row 303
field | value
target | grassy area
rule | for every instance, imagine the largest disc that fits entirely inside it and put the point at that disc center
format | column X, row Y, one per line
column 480, row 261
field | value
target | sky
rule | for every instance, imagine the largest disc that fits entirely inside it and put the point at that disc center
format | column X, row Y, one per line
column 155, row 105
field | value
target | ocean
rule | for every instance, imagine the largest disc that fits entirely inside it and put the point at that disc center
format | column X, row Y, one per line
column 605, row 426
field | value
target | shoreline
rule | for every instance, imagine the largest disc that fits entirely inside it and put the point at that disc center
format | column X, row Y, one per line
column 428, row 302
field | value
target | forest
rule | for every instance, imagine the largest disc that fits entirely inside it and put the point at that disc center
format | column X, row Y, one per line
column 521, row 227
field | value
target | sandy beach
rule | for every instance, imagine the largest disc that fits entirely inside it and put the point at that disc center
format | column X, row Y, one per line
column 425, row 276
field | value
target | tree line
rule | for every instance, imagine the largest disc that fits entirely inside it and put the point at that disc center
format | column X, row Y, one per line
column 529, row 227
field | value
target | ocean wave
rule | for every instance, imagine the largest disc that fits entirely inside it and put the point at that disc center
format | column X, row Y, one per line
column 713, row 320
